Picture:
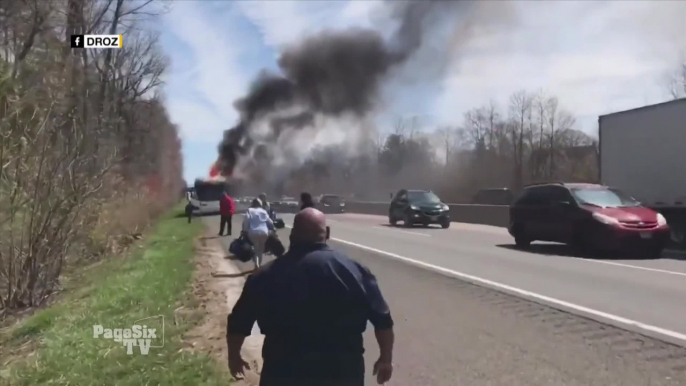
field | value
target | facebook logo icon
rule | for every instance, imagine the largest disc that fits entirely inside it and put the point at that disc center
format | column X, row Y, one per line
column 77, row 41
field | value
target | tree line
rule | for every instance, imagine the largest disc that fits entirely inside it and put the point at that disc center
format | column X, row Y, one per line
column 88, row 155
column 533, row 138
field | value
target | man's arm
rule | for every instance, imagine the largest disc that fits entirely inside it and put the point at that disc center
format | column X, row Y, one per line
column 242, row 318
column 379, row 316
column 385, row 339
column 246, row 222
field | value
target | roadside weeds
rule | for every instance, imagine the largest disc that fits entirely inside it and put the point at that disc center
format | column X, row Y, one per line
column 56, row 345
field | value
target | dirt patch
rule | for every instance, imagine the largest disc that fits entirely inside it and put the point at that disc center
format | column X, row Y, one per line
column 217, row 284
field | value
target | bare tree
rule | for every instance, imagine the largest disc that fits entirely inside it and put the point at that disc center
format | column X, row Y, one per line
column 79, row 135
column 448, row 137
column 400, row 126
column 520, row 110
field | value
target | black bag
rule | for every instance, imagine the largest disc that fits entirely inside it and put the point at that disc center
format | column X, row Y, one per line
column 274, row 246
column 242, row 248
column 279, row 224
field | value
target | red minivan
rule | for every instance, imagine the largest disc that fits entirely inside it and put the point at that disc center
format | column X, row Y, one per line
column 586, row 216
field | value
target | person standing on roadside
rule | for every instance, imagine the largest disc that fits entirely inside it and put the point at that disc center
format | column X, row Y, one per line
column 267, row 206
column 227, row 208
column 312, row 304
column 189, row 207
column 306, row 201
column 257, row 226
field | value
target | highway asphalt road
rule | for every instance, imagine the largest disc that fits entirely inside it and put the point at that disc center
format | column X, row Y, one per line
column 452, row 332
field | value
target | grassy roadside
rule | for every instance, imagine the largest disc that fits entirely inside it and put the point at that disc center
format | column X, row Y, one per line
column 155, row 280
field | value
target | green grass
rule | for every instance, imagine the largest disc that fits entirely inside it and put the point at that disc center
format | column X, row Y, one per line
column 154, row 280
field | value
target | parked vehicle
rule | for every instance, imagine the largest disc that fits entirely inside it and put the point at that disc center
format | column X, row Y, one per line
column 331, row 203
column 418, row 207
column 287, row 204
column 499, row 196
column 641, row 153
column 586, row 216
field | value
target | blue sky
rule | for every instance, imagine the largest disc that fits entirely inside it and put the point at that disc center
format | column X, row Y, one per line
column 597, row 57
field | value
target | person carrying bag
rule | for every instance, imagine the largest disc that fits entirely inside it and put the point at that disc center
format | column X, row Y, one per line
column 257, row 225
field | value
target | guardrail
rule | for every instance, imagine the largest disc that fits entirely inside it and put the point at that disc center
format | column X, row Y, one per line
column 495, row 215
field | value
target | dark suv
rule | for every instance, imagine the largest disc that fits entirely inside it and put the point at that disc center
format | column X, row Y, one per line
column 418, row 207
column 331, row 203
column 586, row 216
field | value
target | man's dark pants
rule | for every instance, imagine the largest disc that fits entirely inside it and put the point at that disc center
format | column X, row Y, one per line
column 343, row 370
column 225, row 221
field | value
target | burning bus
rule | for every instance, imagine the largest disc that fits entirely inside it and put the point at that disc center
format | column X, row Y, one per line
column 206, row 192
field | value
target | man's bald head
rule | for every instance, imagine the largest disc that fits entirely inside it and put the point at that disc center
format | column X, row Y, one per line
column 309, row 226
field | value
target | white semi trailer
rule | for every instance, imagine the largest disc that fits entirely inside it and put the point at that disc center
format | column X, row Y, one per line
column 643, row 152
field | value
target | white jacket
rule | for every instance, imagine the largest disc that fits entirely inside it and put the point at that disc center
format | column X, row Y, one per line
column 256, row 221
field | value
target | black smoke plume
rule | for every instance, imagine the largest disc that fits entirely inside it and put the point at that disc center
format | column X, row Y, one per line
column 331, row 73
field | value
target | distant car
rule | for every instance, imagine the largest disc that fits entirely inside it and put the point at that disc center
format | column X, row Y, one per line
column 286, row 204
column 499, row 196
column 418, row 207
column 586, row 216
column 331, row 203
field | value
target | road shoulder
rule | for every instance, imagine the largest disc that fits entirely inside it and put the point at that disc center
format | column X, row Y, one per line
column 217, row 285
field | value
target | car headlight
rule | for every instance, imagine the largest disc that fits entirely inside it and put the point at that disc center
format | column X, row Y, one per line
column 414, row 207
column 445, row 207
column 605, row 219
column 661, row 220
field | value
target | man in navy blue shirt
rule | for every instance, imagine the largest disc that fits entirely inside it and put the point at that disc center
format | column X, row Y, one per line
column 312, row 305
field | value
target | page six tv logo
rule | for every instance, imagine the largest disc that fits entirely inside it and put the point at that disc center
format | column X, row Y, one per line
column 144, row 334
column 96, row 41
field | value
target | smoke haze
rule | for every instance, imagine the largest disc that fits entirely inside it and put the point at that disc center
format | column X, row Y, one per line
column 328, row 86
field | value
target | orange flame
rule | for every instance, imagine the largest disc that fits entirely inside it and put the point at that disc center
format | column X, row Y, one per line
column 214, row 170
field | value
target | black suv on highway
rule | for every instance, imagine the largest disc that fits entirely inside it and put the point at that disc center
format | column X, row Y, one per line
column 331, row 203
column 418, row 207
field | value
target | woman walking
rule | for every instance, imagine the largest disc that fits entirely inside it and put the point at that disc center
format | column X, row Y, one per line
column 256, row 225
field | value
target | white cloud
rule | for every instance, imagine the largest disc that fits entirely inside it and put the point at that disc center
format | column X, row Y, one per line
column 285, row 22
column 597, row 57
column 216, row 75
column 196, row 122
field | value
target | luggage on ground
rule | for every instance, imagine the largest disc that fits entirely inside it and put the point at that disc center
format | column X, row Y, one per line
column 242, row 248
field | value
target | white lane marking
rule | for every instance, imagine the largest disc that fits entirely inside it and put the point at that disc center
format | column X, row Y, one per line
column 525, row 293
column 583, row 259
column 408, row 232
column 636, row 267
